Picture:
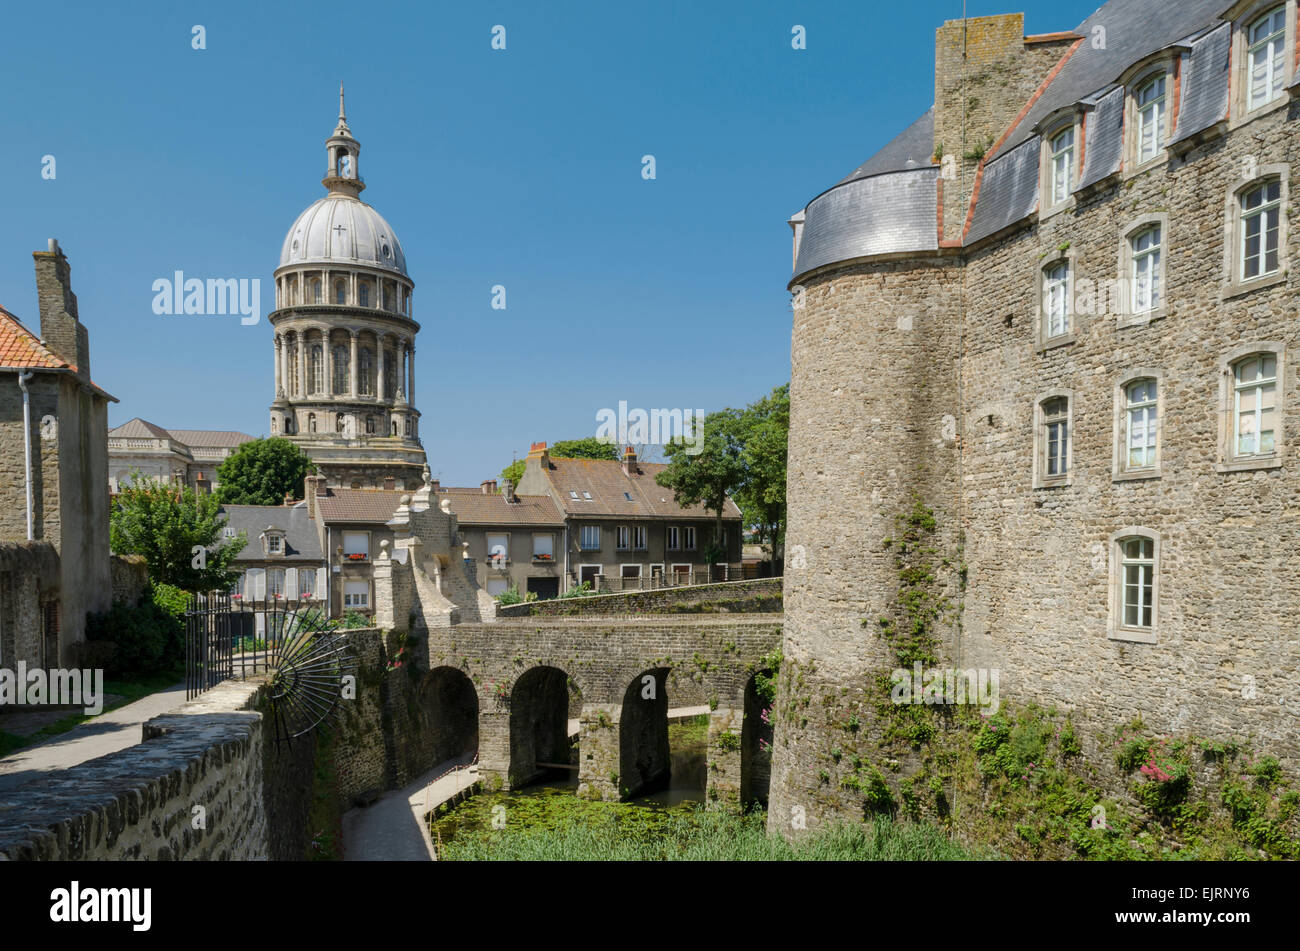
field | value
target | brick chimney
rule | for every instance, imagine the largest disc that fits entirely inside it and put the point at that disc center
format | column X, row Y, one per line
column 538, row 451
column 314, row 488
column 202, row 485
column 629, row 461
column 985, row 71
column 288, row 498
column 508, row 489
column 60, row 329
column 488, row 486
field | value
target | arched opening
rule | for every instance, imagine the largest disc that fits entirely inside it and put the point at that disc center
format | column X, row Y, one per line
column 450, row 706
column 540, row 710
column 756, row 734
column 645, row 761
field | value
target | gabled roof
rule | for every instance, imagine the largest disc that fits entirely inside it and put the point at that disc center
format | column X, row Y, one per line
column 358, row 505
column 22, row 349
column 210, row 438
column 473, row 507
column 139, row 429
column 300, row 538
column 616, row 494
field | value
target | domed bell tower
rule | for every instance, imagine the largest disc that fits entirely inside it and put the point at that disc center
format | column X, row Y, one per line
column 345, row 335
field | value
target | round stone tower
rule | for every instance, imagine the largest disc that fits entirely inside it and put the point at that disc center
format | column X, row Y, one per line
column 345, row 335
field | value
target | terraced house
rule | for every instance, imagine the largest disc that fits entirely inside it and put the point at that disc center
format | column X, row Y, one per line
column 1059, row 310
column 625, row 531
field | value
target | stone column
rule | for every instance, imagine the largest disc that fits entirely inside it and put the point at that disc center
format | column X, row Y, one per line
column 724, row 756
column 598, row 745
column 410, row 394
column 352, row 365
column 379, row 381
column 279, row 362
column 302, row 363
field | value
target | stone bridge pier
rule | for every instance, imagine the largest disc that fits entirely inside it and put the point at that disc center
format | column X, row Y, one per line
column 617, row 678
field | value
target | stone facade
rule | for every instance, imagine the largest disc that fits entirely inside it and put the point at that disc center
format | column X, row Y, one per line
column 921, row 377
column 727, row 597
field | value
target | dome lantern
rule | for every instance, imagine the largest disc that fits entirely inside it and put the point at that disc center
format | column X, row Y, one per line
column 343, row 173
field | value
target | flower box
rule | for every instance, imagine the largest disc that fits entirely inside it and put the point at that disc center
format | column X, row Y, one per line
column 358, row 556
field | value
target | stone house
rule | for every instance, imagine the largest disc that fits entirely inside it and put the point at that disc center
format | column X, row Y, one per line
column 625, row 531
column 514, row 540
column 283, row 559
column 350, row 526
column 54, row 468
column 181, row 456
column 1071, row 281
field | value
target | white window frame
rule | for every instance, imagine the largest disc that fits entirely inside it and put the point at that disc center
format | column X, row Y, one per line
column 550, row 545
column 688, row 538
column 498, row 581
column 1120, row 468
column 1246, row 16
column 1127, row 313
column 583, row 535
column 1140, row 121
column 1117, row 629
column 673, row 538
column 1267, row 207
column 622, row 571
column 1046, row 339
column 275, row 543
column 1041, row 480
column 350, row 597
column 1230, row 460
column 346, row 546
column 640, row 538
column 307, row 575
column 1235, row 216
column 623, row 538
column 496, row 558
column 600, row 570
column 272, row 576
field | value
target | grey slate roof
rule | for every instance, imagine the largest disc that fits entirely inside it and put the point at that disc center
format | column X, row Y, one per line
column 913, row 148
column 897, row 211
column 301, row 541
column 1008, row 191
column 1104, row 141
column 1205, row 83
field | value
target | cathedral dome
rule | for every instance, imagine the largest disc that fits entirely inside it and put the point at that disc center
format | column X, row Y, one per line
column 341, row 229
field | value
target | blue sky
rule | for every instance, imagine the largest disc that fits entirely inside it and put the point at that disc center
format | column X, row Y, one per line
column 519, row 167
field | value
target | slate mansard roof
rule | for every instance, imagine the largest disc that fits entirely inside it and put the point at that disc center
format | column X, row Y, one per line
column 890, row 203
column 301, row 541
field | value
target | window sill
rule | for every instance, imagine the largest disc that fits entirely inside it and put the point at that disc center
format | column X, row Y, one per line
column 1143, row 318
column 1054, row 483
column 1246, row 465
column 1064, row 340
column 1241, row 288
column 1259, row 112
column 1154, row 162
column 1132, row 636
column 1056, row 209
column 1136, row 475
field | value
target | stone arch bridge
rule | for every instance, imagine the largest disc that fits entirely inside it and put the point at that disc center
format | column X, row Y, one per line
column 512, row 687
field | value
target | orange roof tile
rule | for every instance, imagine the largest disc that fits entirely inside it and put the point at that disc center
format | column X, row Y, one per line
column 21, row 348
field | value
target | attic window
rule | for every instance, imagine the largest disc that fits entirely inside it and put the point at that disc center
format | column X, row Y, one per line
column 587, row 496
column 573, row 494
column 628, row 496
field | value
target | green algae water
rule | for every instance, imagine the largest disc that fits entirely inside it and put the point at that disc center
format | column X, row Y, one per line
column 548, row 822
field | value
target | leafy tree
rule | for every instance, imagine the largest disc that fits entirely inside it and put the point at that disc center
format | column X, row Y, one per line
column 715, row 472
column 588, row 448
column 164, row 523
column 765, row 426
column 262, row 472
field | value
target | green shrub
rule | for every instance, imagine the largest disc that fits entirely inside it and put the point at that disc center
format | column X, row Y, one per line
column 147, row 638
column 580, row 591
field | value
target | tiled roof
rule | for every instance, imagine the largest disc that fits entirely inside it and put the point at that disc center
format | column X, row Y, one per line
column 139, row 429
column 473, row 507
column 19, row 347
column 301, row 541
column 210, row 438
column 359, row 505
column 615, row 494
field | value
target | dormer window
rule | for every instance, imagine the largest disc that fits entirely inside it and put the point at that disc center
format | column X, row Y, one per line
column 1266, row 58
column 1150, row 109
column 274, row 541
column 1061, row 165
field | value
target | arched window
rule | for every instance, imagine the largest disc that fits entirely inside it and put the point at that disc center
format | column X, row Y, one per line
column 345, row 163
column 1061, row 166
column 1056, row 300
column 1052, row 450
column 1150, row 110
column 365, row 384
column 340, row 292
column 1146, row 292
column 1254, row 405
column 363, row 295
column 315, row 291
column 288, row 425
column 394, row 427
column 408, row 427
column 340, row 369
column 1266, row 58
column 314, row 376
column 1136, row 583
column 1261, row 217
column 1140, row 424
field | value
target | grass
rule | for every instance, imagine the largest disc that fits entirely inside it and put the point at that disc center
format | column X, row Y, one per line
column 562, row 827
column 128, row 691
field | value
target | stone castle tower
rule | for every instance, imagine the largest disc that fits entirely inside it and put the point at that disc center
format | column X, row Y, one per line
column 984, row 343
column 345, row 335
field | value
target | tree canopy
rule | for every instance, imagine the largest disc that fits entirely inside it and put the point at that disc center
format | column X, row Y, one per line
column 165, row 523
column 262, row 472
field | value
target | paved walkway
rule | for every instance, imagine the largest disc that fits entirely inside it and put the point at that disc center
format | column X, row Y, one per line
column 106, row 733
column 392, row 828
